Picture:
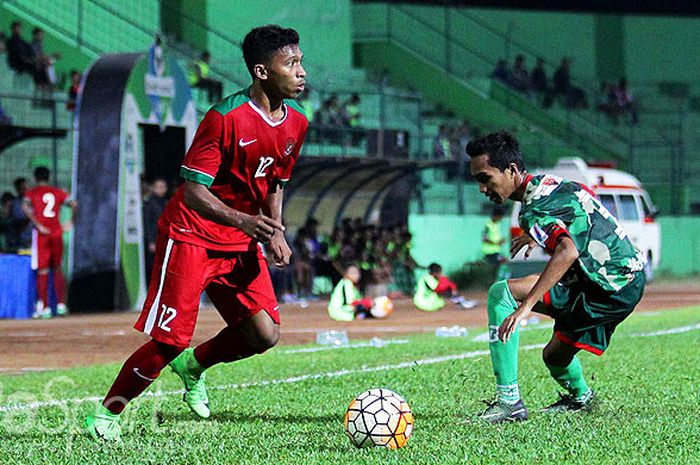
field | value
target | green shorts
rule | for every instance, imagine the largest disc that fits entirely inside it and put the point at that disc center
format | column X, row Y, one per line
column 585, row 316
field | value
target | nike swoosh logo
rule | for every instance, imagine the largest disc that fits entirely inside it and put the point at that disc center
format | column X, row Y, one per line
column 242, row 143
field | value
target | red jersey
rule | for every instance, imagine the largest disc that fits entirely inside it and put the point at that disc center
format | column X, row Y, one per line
column 47, row 202
column 238, row 153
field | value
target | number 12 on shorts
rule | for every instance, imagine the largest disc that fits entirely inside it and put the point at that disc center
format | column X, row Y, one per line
column 167, row 314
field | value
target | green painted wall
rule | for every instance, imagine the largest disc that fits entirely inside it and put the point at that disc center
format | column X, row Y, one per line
column 324, row 29
column 186, row 20
column 449, row 240
column 609, row 47
column 452, row 240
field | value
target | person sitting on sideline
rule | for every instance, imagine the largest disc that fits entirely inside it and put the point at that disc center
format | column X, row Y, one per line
column 434, row 287
column 347, row 303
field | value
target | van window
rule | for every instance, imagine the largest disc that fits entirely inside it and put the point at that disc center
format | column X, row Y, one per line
column 609, row 202
column 645, row 206
column 628, row 208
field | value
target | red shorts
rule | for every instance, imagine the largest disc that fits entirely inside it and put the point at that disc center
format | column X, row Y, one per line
column 238, row 284
column 47, row 250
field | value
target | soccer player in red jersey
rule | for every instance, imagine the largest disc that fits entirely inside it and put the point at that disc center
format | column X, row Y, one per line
column 42, row 205
column 210, row 232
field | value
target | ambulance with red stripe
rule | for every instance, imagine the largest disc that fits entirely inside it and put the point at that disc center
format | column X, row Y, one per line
column 621, row 193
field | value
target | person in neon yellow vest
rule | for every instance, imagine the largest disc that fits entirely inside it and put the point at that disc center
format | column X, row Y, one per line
column 492, row 239
column 347, row 302
column 434, row 287
column 198, row 76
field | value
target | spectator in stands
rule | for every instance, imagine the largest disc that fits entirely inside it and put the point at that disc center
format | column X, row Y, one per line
column 45, row 75
column 351, row 117
column 330, row 120
column 5, row 205
column 153, row 207
column 625, row 101
column 519, row 77
column 432, row 289
column 346, row 302
column 540, row 84
column 20, row 54
column 73, row 90
column 463, row 137
column 500, row 73
column 19, row 228
column 5, row 119
column 573, row 97
column 199, row 77
column 442, row 149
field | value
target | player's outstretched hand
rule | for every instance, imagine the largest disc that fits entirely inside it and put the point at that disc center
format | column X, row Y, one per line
column 260, row 227
column 521, row 241
column 510, row 324
column 280, row 250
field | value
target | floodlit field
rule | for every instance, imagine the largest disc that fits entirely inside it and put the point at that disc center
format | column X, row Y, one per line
column 286, row 407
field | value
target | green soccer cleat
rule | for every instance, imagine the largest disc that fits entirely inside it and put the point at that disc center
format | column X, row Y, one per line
column 569, row 403
column 61, row 310
column 103, row 425
column 195, row 389
column 499, row 412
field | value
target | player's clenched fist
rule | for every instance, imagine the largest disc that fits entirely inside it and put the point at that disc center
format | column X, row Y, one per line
column 521, row 241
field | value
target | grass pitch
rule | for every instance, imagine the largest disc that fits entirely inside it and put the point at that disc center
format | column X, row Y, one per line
column 287, row 407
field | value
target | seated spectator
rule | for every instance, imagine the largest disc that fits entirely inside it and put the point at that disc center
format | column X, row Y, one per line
column 519, row 77
column 442, row 148
column 45, row 76
column 347, row 303
column 432, row 289
column 20, row 54
column 573, row 97
column 330, row 120
column 625, row 101
column 73, row 90
column 199, row 77
column 500, row 73
column 351, row 117
column 539, row 83
column 5, row 119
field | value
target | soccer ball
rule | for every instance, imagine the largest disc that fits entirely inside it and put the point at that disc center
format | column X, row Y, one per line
column 379, row 418
column 382, row 307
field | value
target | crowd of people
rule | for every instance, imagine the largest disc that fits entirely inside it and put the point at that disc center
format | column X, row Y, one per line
column 332, row 121
column 381, row 253
column 617, row 101
column 32, row 59
column 452, row 139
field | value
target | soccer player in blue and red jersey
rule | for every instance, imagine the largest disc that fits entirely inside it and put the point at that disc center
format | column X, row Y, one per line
column 210, row 233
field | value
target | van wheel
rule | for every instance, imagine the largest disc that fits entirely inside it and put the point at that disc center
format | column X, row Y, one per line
column 648, row 272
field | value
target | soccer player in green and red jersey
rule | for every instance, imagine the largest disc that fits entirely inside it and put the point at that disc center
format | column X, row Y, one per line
column 592, row 282
column 210, row 233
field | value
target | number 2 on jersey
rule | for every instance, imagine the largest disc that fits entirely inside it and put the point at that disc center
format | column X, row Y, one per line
column 265, row 163
column 49, row 203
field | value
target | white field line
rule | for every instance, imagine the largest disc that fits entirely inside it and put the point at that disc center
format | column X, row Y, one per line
column 378, row 344
column 272, row 382
column 315, row 376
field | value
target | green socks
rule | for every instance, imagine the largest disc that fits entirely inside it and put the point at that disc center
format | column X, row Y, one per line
column 503, row 356
column 571, row 378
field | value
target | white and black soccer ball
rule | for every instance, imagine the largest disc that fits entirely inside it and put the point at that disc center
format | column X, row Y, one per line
column 382, row 307
column 379, row 418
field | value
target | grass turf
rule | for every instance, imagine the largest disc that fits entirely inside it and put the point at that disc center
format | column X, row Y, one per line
column 648, row 410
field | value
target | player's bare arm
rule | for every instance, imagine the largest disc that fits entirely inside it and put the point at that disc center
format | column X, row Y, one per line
column 27, row 208
column 68, row 225
column 279, row 248
column 200, row 199
column 565, row 254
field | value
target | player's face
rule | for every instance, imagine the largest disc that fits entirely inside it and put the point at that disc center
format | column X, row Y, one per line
column 495, row 184
column 286, row 72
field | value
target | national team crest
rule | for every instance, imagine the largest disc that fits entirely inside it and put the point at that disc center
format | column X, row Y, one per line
column 289, row 147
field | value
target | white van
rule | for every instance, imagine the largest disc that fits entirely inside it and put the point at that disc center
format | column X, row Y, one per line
column 621, row 193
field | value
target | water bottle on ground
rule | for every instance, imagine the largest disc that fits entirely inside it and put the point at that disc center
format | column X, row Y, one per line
column 332, row 338
column 451, row 331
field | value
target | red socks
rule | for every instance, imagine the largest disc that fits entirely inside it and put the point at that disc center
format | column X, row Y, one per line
column 42, row 288
column 138, row 372
column 227, row 346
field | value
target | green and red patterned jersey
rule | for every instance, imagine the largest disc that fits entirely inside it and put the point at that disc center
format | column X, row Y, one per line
column 239, row 154
column 553, row 207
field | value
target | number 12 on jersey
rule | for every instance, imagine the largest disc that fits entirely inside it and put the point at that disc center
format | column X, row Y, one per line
column 265, row 163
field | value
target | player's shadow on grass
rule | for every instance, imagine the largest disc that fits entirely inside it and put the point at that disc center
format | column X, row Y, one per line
column 267, row 417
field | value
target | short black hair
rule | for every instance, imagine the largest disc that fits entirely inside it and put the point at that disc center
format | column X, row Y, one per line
column 434, row 268
column 17, row 183
column 501, row 147
column 260, row 43
column 42, row 173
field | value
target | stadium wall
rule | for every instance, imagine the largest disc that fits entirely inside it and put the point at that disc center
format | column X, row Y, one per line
column 453, row 240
